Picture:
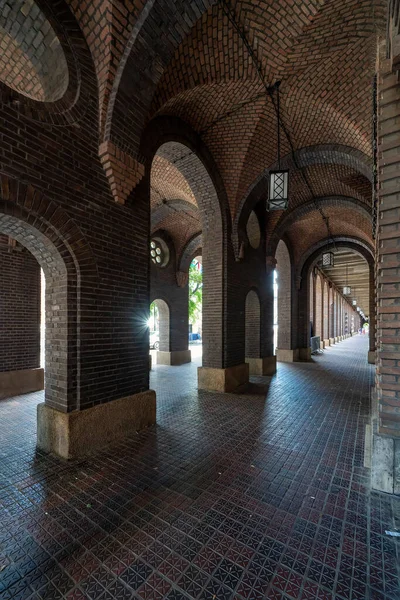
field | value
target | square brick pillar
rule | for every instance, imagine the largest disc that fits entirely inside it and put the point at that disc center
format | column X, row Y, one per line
column 386, row 425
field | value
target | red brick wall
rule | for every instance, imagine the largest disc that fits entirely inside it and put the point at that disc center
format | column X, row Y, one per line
column 388, row 253
column 19, row 308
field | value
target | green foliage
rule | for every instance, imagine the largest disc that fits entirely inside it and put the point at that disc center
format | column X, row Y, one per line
column 195, row 292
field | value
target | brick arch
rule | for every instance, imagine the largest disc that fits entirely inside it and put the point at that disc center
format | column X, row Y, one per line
column 79, row 100
column 61, row 250
column 252, row 324
column 193, row 248
column 323, row 154
column 305, row 265
column 288, row 218
column 172, row 139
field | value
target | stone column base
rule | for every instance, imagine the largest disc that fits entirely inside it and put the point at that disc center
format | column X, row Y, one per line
column 304, row 354
column 327, row 343
column 222, row 380
column 75, row 434
column 371, row 357
column 175, row 358
column 262, row 366
column 289, row 356
column 332, row 341
column 14, row 383
column 385, row 473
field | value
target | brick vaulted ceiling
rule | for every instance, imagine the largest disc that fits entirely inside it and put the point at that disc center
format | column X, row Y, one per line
column 187, row 59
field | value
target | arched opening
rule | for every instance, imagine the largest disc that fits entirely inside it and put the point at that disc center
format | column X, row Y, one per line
column 21, row 363
column 62, row 375
column 252, row 330
column 318, row 307
column 195, row 307
column 345, row 285
column 159, row 325
column 184, row 193
column 284, row 350
column 325, row 311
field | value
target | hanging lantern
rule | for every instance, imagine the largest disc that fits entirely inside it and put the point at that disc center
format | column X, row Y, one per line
column 278, row 190
column 354, row 302
column 279, row 179
column 358, row 309
column 328, row 260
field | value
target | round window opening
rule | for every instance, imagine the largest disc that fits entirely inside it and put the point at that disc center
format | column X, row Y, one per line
column 159, row 252
column 32, row 61
column 253, row 231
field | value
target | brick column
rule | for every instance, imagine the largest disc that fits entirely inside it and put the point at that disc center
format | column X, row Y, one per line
column 386, row 426
column 284, row 351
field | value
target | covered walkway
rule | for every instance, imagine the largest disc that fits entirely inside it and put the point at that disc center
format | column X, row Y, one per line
column 248, row 496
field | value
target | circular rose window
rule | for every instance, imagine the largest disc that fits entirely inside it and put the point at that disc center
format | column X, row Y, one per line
column 159, row 252
column 32, row 61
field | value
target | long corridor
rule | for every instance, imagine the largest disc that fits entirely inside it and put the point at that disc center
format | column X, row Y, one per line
column 248, row 496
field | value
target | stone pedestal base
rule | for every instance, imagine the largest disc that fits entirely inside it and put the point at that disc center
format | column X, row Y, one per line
column 327, row 343
column 175, row 358
column 371, row 357
column 332, row 341
column 75, row 434
column 14, row 383
column 262, row 366
column 304, row 354
column 385, row 474
column 289, row 356
column 222, row 380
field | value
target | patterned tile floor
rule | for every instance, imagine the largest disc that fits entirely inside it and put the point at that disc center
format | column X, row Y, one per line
column 245, row 497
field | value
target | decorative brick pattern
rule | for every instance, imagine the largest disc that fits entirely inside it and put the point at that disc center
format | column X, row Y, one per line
column 123, row 171
column 19, row 308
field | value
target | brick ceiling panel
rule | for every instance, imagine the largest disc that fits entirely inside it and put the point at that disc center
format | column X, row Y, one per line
column 168, row 183
column 310, row 229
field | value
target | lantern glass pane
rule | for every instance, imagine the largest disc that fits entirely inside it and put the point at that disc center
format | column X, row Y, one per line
column 278, row 190
column 279, row 185
column 327, row 259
